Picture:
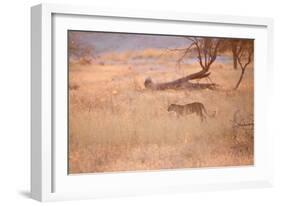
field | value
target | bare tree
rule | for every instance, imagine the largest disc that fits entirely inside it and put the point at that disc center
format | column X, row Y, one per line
column 207, row 50
column 234, row 48
column 72, row 43
column 78, row 50
column 242, row 122
column 244, row 57
column 230, row 45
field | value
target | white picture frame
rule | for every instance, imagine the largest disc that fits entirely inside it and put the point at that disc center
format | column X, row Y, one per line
column 49, row 178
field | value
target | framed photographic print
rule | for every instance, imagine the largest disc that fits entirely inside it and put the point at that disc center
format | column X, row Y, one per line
column 135, row 102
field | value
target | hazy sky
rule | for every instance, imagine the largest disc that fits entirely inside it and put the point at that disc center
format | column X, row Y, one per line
column 105, row 42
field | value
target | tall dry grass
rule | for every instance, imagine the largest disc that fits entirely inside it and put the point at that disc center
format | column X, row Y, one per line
column 117, row 125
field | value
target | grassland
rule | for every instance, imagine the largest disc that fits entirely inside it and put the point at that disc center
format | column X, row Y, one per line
column 115, row 124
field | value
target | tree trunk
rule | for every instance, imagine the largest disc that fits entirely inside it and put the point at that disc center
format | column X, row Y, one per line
column 234, row 55
column 182, row 83
column 235, row 61
column 240, row 79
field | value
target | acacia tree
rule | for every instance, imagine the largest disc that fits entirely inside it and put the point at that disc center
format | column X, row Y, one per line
column 230, row 45
column 244, row 57
column 206, row 50
column 234, row 48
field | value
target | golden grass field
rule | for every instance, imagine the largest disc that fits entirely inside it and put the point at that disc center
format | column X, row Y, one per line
column 115, row 124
